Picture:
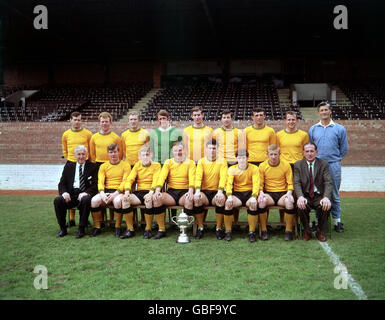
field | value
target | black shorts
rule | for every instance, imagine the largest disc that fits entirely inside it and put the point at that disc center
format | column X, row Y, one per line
column 109, row 190
column 243, row 196
column 140, row 195
column 276, row 196
column 210, row 194
column 176, row 194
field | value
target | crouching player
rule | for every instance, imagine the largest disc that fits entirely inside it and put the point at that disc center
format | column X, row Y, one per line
column 111, row 177
column 179, row 173
column 242, row 188
column 210, row 181
column 276, row 189
column 145, row 173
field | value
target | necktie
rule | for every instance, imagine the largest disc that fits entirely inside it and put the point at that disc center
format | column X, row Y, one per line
column 311, row 189
column 82, row 185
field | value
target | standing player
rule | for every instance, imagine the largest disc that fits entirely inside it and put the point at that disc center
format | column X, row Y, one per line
column 99, row 143
column 163, row 137
column 276, row 189
column 229, row 139
column 111, row 179
column 133, row 138
column 258, row 137
column 242, row 188
column 210, row 181
column 72, row 138
column 196, row 135
column 102, row 139
column 332, row 142
column 145, row 173
column 291, row 141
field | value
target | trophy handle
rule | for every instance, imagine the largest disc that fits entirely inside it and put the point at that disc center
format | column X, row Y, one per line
column 192, row 219
column 172, row 218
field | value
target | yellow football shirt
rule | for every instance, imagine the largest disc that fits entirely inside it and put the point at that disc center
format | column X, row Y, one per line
column 73, row 138
column 277, row 178
column 291, row 144
column 211, row 175
column 257, row 141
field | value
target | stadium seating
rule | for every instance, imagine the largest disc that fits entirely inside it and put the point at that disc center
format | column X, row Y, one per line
column 213, row 98
column 57, row 103
column 368, row 99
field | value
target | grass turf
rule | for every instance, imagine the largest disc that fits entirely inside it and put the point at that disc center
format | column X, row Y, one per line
column 106, row 267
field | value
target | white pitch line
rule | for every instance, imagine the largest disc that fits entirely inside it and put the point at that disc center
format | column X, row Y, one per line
column 354, row 286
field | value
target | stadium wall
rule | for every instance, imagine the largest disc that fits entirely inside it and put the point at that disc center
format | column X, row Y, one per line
column 31, row 155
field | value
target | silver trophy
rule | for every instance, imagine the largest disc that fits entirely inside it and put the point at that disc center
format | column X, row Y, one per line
column 183, row 221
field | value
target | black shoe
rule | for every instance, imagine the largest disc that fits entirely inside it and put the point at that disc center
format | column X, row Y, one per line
column 118, row 232
column 338, row 227
column 252, row 237
column 71, row 223
column 264, row 236
column 219, row 234
column 81, row 233
column 147, row 234
column 288, row 235
column 62, row 233
column 128, row 234
column 95, row 232
column 160, row 234
column 199, row 234
column 269, row 228
column 228, row 236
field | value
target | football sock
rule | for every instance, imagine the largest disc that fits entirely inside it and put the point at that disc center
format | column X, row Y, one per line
column 228, row 222
column 148, row 218
column 253, row 220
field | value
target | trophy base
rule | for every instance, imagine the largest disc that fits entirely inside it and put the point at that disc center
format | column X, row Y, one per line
column 183, row 239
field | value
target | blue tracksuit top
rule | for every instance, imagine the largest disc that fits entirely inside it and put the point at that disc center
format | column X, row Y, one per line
column 331, row 141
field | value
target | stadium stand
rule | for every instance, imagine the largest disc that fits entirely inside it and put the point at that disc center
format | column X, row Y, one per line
column 213, row 97
column 57, row 103
column 368, row 99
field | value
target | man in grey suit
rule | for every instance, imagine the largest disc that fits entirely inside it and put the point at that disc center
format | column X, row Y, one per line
column 313, row 187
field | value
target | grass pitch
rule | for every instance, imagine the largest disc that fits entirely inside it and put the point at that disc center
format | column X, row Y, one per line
column 106, row 267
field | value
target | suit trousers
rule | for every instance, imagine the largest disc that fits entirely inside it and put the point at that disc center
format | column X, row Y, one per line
column 322, row 215
column 61, row 207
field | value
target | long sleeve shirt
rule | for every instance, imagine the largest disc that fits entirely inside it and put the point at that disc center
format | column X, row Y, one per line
column 331, row 141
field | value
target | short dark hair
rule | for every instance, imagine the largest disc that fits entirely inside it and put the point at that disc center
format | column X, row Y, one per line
column 227, row 111
column 311, row 144
column 163, row 113
column 323, row 103
column 75, row 114
column 257, row 110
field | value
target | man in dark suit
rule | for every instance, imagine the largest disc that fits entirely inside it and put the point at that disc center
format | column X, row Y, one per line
column 78, row 184
column 313, row 187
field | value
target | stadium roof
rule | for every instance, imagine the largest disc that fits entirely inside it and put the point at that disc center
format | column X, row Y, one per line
column 190, row 29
